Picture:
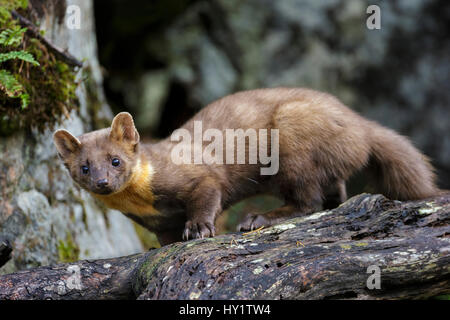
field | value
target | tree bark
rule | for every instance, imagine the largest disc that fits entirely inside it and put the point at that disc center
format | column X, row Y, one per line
column 325, row 255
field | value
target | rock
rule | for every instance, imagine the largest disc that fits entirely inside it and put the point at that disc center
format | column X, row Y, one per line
column 46, row 218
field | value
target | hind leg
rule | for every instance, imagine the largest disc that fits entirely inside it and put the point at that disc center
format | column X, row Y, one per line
column 335, row 194
column 299, row 201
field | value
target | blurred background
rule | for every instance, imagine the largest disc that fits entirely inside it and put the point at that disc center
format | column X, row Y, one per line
column 164, row 60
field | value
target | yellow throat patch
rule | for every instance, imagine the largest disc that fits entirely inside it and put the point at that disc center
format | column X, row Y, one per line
column 136, row 196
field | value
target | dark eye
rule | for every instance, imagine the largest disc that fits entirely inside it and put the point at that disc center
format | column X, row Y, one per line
column 115, row 162
column 85, row 169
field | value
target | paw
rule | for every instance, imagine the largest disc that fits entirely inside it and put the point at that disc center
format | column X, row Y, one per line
column 198, row 230
column 253, row 221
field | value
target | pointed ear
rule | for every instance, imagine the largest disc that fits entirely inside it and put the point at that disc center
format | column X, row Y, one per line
column 123, row 129
column 66, row 143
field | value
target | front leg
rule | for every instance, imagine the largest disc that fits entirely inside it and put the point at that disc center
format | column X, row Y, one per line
column 203, row 207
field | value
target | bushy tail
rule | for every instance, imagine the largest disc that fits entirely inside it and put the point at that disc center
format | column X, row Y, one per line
column 403, row 172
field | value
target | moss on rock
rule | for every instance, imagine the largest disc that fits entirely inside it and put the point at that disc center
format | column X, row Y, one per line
column 50, row 86
column 68, row 250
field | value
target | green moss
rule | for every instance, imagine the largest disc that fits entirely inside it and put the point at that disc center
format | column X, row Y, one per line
column 48, row 86
column 158, row 258
column 94, row 102
column 442, row 297
column 81, row 201
column 148, row 239
column 68, row 250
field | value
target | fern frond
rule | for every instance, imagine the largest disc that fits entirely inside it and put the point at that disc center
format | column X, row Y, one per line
column 21, row 55
column 9, row 84
column 14, row 4
column 13, row 88
column 5, row 15
column 12, row 37
column 25, row 98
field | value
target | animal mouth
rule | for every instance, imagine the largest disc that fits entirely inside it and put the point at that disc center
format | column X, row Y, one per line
column 103, row 191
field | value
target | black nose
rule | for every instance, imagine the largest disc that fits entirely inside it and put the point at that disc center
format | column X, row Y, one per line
column 102, row 183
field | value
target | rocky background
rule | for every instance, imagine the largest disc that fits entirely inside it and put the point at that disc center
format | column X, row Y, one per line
column 43, row 215
column 164, row 60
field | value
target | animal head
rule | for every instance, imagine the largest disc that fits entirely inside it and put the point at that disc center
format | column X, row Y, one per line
column 101, row 161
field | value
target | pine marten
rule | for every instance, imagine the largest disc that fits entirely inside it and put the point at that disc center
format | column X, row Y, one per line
column 320, row 143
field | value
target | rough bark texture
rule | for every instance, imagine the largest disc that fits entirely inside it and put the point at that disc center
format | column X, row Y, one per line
column 321, row 256
column 98, row 279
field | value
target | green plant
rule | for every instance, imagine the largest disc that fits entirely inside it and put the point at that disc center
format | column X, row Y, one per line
column 36, row 88
column 12, row 38
column 68, row 250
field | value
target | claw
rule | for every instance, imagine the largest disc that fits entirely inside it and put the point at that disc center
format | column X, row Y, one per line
column 186, row 234
column 198, row 230
column 253, row 222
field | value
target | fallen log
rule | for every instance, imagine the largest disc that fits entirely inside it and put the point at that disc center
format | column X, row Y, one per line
column 368, row 248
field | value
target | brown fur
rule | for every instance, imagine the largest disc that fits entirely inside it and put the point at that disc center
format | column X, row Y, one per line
column 321, row 144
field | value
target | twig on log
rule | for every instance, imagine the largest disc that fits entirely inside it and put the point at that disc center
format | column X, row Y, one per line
column 34, row 32
column 408, row 241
